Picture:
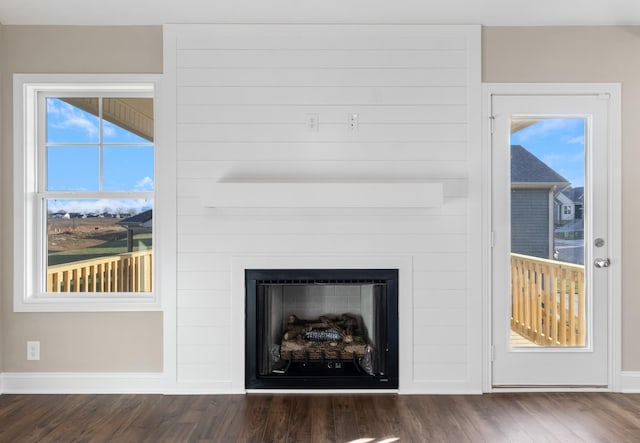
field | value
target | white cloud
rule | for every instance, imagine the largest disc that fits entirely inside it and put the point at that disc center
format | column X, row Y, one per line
column 125, row 206
column 145, row 184
column 71, row 117
column 107, row 129
column 577, row 140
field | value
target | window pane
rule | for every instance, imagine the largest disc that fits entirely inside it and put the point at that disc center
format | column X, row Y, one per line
column 127, row 168
column 99, row 245
column 72, row 120
column 547, row 232
column 73, row 168
column 127, row 120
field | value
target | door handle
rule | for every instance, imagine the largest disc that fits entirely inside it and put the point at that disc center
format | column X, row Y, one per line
column 601, row 262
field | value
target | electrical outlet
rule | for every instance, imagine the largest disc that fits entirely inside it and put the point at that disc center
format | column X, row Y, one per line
column 33, row 350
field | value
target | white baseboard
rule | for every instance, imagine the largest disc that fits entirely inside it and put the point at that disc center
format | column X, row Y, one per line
column 82, row 383
column 155, row 383
column 630, row 382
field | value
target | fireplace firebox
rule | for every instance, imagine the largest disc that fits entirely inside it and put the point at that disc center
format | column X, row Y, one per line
column 321, row 329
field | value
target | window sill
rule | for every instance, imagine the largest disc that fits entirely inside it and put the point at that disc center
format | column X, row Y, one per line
column 89, row 303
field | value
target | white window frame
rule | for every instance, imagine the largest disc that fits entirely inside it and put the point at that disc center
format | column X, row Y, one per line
column 29, row 235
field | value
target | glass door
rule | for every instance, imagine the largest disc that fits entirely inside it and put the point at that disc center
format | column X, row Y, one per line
column 549, row 219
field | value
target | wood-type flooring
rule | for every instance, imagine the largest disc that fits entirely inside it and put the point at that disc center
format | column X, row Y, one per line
column 359, row 418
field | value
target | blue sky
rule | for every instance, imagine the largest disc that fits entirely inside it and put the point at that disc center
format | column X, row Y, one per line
column 559, row 143
column 74, row 161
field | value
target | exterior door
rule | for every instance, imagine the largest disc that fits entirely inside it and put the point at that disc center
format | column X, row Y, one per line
column 551, row 239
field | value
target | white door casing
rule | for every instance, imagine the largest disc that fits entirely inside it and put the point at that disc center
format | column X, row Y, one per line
column 597, row 364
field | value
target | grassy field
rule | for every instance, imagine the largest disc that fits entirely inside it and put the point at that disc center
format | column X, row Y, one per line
column 140, row 241
column 72, row 240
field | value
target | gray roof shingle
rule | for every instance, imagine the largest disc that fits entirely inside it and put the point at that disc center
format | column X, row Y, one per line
column 527, row 168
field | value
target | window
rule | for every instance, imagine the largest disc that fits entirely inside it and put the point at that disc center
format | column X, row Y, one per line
column 84, row 194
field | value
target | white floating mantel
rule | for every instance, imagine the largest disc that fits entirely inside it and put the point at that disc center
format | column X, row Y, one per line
column 323, row 195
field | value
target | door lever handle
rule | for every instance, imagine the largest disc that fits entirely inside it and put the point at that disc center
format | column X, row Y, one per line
column 601, row 262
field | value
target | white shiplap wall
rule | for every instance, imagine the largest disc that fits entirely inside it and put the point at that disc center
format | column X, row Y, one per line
column 241, row 98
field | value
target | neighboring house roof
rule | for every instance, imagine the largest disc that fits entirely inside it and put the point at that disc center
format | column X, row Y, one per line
column 563, row 199
column 576, row 195
column 142, row 220
column 527, row 169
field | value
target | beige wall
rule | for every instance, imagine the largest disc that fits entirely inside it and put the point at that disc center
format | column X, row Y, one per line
column 3, row 185
column 104, row 342
column 586, row 54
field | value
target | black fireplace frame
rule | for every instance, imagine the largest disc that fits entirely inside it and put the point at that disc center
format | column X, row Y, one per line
column 255, row 277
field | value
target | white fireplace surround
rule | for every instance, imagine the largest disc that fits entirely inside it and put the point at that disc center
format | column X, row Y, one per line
column 238, row 101
column 240, row 264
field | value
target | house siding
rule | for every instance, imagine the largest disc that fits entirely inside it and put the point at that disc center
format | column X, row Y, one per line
column 530, row 222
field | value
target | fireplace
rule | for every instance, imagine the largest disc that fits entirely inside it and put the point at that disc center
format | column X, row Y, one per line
column 321, row 329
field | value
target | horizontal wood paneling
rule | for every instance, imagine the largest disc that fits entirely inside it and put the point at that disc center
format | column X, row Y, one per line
column 331, row 133
column 244, row 96
column 441, row 354
column 204, row 317
column 216, row 281
column 439, row 280
column 312, row 37
column 441, row 317
column 323, row 151
column 321, row 58
column 203, row 335
column 279, row 171
column 210, row 298
column 437, row 334
column 274, row 225
column 320, row 243
column 439, row 298
column 191, row 203
column 199, row 77
column 316, row 96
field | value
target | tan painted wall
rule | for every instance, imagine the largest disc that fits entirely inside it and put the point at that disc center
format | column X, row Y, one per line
column 586, row 54
column 3, row 253
column 74, row 342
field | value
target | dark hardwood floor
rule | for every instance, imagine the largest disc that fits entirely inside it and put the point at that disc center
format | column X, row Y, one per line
column 539, row 417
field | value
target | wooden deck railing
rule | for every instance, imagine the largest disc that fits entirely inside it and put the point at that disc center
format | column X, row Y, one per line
column 548, row 301
column 130, row 272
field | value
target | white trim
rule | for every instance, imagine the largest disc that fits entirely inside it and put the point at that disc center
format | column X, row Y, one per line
column 166, row 201
column 26, row 295
column 507, row 389
column 615, row 210
column 629, row 382
column 82, row 383
column 476, row 240
column 403, row 263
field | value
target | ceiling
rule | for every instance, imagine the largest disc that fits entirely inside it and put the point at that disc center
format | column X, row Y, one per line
column 483, row 12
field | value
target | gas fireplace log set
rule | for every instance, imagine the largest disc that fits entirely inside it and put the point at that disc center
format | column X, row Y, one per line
column 321, row 328
column 326, row 340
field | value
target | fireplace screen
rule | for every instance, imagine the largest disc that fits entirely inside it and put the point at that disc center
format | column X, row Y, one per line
column 322, row 329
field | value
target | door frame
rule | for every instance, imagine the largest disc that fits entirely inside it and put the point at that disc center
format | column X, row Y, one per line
column 615, row 210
